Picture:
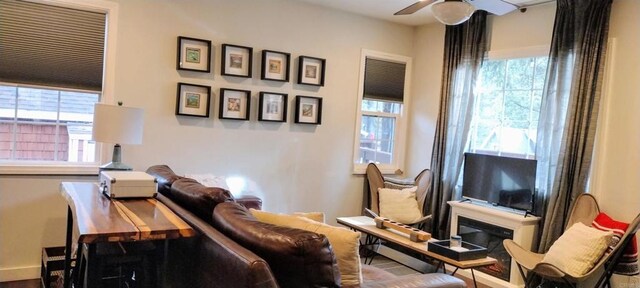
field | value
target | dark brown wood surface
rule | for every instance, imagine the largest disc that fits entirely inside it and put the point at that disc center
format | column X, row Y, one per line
column 100, row 219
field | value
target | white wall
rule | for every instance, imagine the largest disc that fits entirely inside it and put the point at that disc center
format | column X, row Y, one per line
column 293, row 167
column 616, row 180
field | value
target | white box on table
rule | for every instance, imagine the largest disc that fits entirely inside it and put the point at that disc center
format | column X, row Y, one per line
column 127, row 184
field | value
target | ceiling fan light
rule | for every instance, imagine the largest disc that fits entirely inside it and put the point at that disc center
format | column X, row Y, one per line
column 452, row 12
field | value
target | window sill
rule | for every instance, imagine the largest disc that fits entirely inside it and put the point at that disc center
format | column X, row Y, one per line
column 360, row 169
column 12, row 168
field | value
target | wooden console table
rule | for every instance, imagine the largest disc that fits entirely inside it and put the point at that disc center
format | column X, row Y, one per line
column 100, row 219
column 366, row 225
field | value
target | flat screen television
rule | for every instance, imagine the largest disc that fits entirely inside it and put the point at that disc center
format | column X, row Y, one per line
column 498, row 180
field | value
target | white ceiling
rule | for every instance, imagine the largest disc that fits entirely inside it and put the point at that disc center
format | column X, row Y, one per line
column 384, row 9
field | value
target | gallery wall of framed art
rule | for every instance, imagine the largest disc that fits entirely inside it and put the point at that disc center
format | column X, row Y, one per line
column 195, row 54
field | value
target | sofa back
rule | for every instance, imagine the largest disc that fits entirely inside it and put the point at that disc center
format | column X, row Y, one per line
column 298, row 258
column 211, row 259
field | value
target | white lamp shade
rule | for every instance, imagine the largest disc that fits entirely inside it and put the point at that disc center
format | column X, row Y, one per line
column 117, row 124
column 452, row 12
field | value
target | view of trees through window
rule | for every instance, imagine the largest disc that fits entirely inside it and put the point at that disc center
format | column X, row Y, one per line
column 377, row 130
column 46, row 124
column 507, row 107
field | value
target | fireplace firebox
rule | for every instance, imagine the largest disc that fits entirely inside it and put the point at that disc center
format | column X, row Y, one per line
column 491, row 237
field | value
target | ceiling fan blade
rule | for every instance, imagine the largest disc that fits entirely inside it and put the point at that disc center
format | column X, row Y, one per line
column 496, row 7
column 414, row 7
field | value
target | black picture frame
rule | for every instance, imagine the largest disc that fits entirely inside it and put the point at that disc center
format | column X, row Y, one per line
column 272, row 107
column 311, row 70
column 190, row 98
column 275, row 66
column 236, row 60
column 239, row 108
column 308, row 110
column 193, row 54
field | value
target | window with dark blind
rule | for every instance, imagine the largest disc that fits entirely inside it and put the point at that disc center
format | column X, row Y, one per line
column 384, row 80
column 51, row 46
column 51, row 71
column 381, row 126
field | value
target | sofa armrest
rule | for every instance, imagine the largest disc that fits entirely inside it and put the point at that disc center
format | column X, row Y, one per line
column 250, row 201
column 432, row 280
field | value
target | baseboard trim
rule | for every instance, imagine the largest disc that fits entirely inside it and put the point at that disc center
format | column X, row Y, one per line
column 19, row 273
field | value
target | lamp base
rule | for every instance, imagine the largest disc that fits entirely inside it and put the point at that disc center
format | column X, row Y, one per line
column 115, row 166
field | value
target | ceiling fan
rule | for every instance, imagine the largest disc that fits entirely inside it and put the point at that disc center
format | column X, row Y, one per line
column 454, row 12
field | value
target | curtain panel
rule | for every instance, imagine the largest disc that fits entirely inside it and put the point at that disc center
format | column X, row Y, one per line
column 465, row 47
column 569, row 112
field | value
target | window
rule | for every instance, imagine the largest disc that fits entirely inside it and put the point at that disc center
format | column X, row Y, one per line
column 47, row 94
column 507, row 107
column 44, row 124
column 381, row 124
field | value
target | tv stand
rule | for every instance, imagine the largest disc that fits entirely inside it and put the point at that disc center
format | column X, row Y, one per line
column 491, row 224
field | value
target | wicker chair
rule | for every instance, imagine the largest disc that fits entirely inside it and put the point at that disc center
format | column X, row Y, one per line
column 374, row 180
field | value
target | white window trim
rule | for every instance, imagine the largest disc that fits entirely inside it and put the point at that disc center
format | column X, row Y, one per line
column 400, row 137
column 108, row 84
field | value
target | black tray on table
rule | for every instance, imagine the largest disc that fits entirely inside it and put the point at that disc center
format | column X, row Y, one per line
column 442, row 248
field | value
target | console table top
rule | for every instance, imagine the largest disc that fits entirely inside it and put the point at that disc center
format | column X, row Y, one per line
column 100, row 219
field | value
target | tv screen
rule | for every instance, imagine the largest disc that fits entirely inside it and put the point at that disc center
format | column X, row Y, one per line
column 499, row 180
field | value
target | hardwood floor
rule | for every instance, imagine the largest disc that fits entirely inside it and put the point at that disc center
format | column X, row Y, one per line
column 34, row 283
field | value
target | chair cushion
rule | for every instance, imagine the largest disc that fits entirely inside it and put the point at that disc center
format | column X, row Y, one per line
column 345, row 243
column 399, row 205
column 628, row 264
column 578, row 249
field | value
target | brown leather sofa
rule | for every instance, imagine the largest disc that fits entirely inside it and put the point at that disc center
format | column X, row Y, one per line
column 233, row 249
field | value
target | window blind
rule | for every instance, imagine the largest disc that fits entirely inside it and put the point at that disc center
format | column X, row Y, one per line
column 384, row 80
column 52, row 46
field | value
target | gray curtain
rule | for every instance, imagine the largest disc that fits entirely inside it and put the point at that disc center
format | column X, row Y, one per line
column 569, row 112
column 465, row 46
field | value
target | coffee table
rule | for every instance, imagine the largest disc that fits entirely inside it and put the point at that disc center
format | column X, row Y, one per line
column 367, row 226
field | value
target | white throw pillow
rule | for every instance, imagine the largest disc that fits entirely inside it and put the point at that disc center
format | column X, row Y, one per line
column 578, row 249
column 399, row 205
column 345, row 243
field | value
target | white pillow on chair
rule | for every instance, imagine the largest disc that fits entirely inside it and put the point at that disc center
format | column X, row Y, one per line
column 399, row 205
column 578, row 249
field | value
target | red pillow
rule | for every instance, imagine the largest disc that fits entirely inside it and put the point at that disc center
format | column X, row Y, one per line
column 628, row 264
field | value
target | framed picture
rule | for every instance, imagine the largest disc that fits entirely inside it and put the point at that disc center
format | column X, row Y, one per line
column 234, row 104
column 311, row 70
column 236, row 60
column 272, row 107
column 193, row 100
column 308, row 110
column 275, row 66
column 194, row 54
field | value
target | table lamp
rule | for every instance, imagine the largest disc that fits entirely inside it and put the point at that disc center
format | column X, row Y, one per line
column 117, row 125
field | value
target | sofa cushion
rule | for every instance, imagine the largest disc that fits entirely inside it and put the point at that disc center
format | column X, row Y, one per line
column 164, row 176
column 297, row 258
column 345, row 243
column 197, row 198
